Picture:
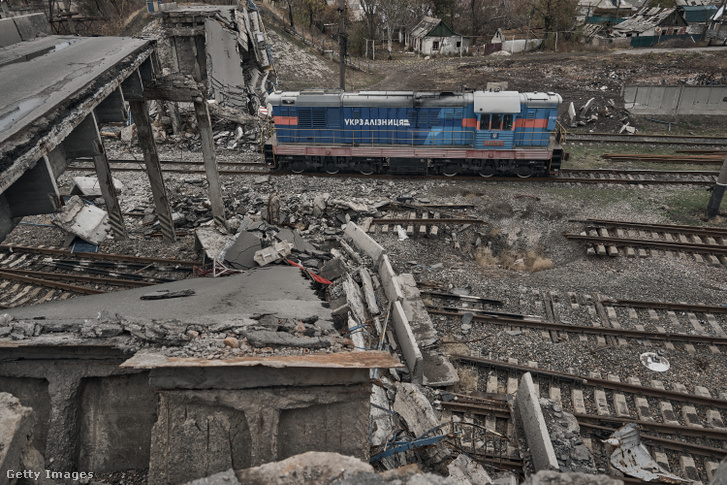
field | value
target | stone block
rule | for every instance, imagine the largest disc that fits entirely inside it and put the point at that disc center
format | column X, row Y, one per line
column 85, row 221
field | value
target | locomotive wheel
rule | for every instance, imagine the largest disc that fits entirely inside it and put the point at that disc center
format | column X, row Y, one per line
column 366, row 169
column 524, row 172
column 297, row 167
column 487, row 171
column 330, row 168
column 450, row 170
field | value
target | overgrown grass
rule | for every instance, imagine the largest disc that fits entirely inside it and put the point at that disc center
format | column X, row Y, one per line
column 590, row 156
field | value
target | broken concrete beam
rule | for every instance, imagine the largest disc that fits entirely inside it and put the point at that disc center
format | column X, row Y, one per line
column 85, row 221
column 273, row 253
column 364, row 242
column 389, row 281
column 383, row 421
column 533, row 422
column 356, row 334
column 354, row 299
column 416, row 411
column 90, row 187
column 368, row 290
column 572, row 113
column 586, row 107
column 407, row 342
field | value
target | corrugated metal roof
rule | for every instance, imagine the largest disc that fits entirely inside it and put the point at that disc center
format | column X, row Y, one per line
column 645, row 19
column 425, row 25
column 699, row 13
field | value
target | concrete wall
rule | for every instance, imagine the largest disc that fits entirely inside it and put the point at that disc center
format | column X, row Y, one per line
column 676, row 100
column 32, row 393
column 202, row 432
column 23, row 27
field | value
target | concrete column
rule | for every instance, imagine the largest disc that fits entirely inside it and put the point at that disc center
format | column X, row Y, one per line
column 210, row 161
column 63, row 420
column 140, row 113
column 263, row 423
column 718, row 192
column 106, row 183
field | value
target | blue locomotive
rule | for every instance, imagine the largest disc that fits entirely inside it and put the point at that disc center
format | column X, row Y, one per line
column 487, row 133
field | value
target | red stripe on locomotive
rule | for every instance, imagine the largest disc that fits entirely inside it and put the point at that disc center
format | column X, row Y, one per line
column 521, row 123
column 286, row 120
column 469, row 122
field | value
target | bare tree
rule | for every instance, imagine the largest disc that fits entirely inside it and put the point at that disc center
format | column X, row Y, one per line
column 372, row 11
column 394, row 13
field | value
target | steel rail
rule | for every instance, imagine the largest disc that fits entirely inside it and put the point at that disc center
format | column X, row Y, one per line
column 474, row 408
column 670, row 444
column 100, row 256
column 694, row 248
column 626, row 181
column 713, row 231
column 93, row 279
column 445, row 220
column 442, row 294
column 170, row 162
column 595, row 382
column 666, row 306
column 640, row 171
column 562, row 327
column 714, row 433
column 50, row 284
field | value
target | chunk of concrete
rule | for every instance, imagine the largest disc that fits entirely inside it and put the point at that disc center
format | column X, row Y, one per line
column 309, row 468
column 242, row 252
column 273, row 253
column 17, row 454
column 363, row 242
column 299, row 243
column 90, row 187
column 533, row 422
column 416, row 411
column 333, row 269
column 222, row 478
column 85, row 221
column 467, row 471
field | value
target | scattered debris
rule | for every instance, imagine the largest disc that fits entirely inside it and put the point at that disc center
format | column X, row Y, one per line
column 85, row 221
column 654, row 361
column 632, row 458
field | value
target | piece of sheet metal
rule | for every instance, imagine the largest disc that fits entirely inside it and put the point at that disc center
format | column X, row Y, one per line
column 632, row 458
column 655, row 362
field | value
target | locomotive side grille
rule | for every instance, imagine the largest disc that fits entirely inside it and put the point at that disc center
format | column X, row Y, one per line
column 304, row 118
column 319, row 117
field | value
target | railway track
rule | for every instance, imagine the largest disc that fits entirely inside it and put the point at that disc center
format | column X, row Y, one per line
column 614, row 238
column 576, row 176
column 708, row 141
column 31, row 275
column 682, row 423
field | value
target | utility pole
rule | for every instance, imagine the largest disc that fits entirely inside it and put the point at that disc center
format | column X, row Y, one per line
column 342, row 43
column 718, row 192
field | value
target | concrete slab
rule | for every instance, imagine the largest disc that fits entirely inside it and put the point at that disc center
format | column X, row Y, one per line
column 437, row 370
column 90, row 187
column 407, row 342
column 363, row 242
column 389, row 281
column 281, row 290
column 533, row 422
column 9, row 34
column 299, row 243
column 242, row 252
column 85, row 221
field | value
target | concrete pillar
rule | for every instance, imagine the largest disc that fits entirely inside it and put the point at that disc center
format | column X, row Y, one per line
column 63, row 421
column 71, row 24
column 140, row 113
column 106, row 183
column 210, row 161
column 718, row 192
